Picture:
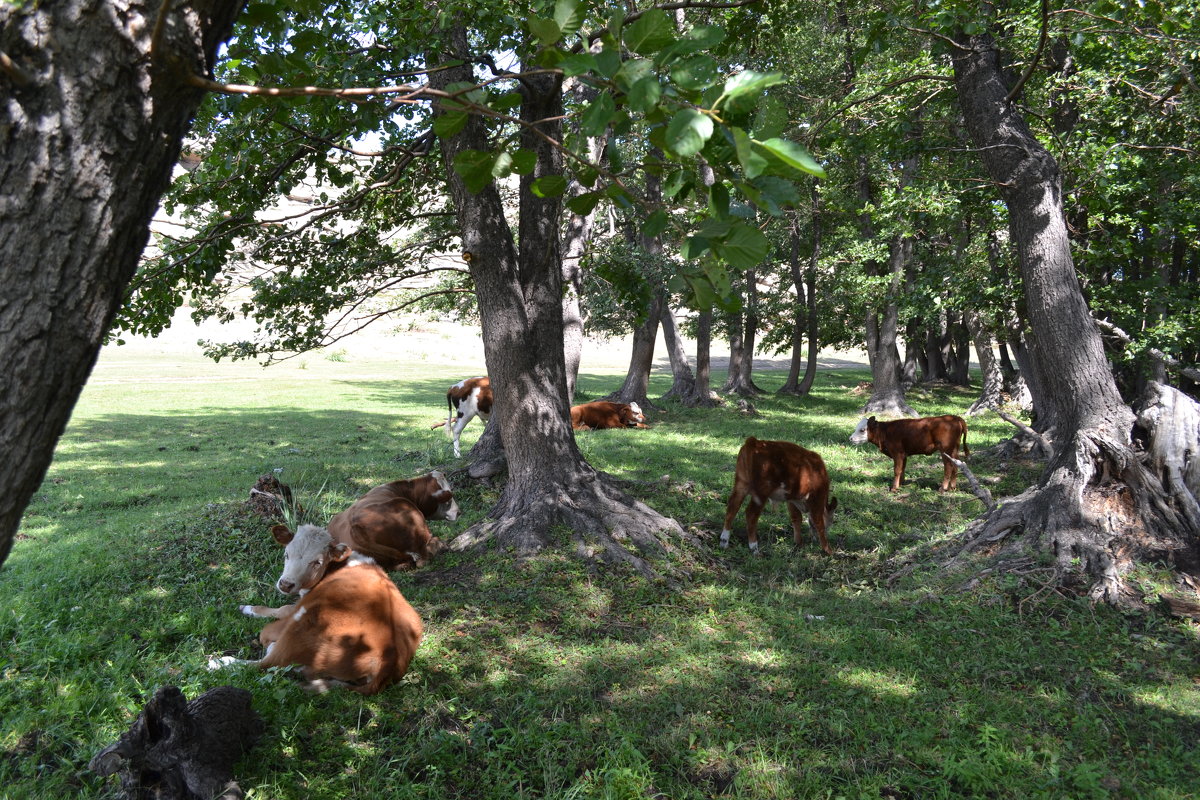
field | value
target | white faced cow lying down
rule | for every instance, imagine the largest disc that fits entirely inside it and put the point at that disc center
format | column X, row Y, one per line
column 786, row 473
column 387, row 524
column 468, row 398
column 351, row 626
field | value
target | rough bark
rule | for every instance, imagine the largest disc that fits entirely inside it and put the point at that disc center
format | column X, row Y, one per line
column 683, row 388
column 703, row 357
column 641, row 359
column 520, row 304
column 960, row 365
column 92, row 121
column 743, row 332
column 1097, row 508
column 887, row 391
column 791, row 383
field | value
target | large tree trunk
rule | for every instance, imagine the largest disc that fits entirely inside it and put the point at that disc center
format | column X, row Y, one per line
column 743, row 331
column 641, row 359
column 520, row 305
column 703, row 355
column 92, row 119
column 1097, row 505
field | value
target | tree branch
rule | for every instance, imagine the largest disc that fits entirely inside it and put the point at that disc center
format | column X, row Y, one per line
column 976, row 489
column 1037, row 55
column 1153, row 352
column 1043, row 443
column 17, row 75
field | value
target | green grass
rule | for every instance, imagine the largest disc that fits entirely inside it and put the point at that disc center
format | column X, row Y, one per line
column 787, row 675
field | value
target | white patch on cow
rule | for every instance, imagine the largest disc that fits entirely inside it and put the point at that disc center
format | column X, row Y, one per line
column 446, row 511
column 468, row 409
column 754, row 547
column 359, row 560
column 306, row 547
column 725, row 538
column 247, row 610
column 635, row 408
column 224, row 661
column 299, row 613
column 860, row 432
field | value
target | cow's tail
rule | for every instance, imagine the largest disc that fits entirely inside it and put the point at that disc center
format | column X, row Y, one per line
column 450, row 415
column 966, row 450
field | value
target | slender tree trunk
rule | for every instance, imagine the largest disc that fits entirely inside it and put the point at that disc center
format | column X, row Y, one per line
column 641, row 360
column 934, row 354
column 791, row 384
column 703, row 354
column 93, row 114
column 814, row 338
column 960, row 374
column 743, row 328
column 887, row 392
column 683, row 389
column 1097, row 505
column 520, row 304
column 915, row 362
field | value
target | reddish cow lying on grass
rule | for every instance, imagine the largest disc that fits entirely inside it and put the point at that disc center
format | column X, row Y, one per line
column 601, row 414
column 468, row 398
column 351, row 626
column 902, row 438
column 387, row 524
column 785, row 473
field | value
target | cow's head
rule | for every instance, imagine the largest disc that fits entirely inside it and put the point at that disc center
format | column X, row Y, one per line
column 632, row 415
column 861, row 430
column 307, row 555
column 447, row 509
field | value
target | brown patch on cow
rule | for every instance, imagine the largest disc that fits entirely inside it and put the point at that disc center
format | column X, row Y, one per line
column 269, row 498
column 863, row 387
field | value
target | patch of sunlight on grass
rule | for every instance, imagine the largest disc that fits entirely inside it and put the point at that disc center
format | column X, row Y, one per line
column 759, row 657
column 878, row 682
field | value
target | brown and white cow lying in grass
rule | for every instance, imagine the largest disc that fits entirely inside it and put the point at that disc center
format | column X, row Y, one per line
column 902, row 438
column 467, row 399
column 351, row 627
column 387, row 524
column 785, row 473
column 601, row 414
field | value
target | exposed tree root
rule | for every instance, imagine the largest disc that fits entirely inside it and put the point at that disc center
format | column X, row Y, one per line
column 605, row 523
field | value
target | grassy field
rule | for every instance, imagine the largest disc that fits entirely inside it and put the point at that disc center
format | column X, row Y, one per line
column 789, row 675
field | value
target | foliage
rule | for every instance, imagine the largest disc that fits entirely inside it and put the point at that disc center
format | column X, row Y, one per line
column 786, row 675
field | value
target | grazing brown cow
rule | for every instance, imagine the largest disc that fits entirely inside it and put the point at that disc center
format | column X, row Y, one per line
column 600, row 414
column 468, row 398
column 351, row 627
column 785, row 473
column 902, row 438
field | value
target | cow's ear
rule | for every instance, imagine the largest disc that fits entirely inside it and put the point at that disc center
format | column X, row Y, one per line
column 871, row 420
column 338, row 552
column 282, row 534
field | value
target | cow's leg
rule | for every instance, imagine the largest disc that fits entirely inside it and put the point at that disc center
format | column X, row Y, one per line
column 731, row 509
column 753, row 509
column 463, row 419
column 818, row 514
column 796, row 511
column 267, row 612
column 898, row 464
column 950, row 473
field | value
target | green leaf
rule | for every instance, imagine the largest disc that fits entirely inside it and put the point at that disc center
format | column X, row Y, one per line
column 777, row 194
column 549, row 186
column 688, row 131
column 645, row 94
column 632, row 71
column 655, row 224
column 608, row 62
column 693, row 248
column 651, row 32
column 578, row 64
column 523, row 161
column 587, row 175
column 475, row 167
column 502, row 167
column 448, row 124
column 744, row 247
column 546, row 30
column 568, row 14
column 597, row 115
column 695, row 74
column 584, row 203
column 749, row 82
column 703, row 292
column 793, row 155
column 718, row 200
column 701, row 37
column 505, row 101
column 752, row 163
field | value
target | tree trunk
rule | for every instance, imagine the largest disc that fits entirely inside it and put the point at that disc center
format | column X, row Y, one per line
column 93, row 118
column 935, row 358
column 887, row 392
column 520, row 306
column 814, row 339
column 791, row 384
column 683, row 389
column 1096, row 506
column 743, row 329
column 993, row 380
column 641, row 360
column 703, row 358
column 960, row 371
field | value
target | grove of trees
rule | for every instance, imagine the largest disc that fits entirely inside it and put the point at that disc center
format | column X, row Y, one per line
column 911, row 179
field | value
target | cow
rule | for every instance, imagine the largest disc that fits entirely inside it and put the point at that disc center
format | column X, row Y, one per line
column 785, row 473
column 601, row 414
column 902, row 438
column 387, row 524
column 351, row 626
column 468, row 399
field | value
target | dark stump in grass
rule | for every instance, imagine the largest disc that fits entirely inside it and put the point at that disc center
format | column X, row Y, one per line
column 183, row 750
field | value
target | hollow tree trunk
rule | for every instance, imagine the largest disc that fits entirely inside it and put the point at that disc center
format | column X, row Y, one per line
column 520, row 305
column 1096, row 503
column 93, row 121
